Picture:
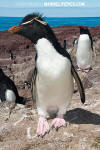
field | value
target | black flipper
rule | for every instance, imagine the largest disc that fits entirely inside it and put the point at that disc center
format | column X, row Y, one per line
column 79, row 84
column 64, row 53
column 91, row 40
column 33, row 81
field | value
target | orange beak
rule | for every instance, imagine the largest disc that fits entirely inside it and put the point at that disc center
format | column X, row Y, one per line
column 15, row 29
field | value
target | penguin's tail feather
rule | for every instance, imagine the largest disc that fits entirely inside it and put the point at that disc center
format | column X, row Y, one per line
column 79, row 84
column 21, row 100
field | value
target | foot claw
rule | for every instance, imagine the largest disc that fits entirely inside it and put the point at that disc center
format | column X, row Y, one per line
column 57, row 123
column 41, row 136
column 38, row 135
column 56, row 128
column 43, row 127
column 52, row 126
column 48, row 131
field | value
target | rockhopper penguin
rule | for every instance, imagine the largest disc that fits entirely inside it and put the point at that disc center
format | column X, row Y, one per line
column 84, row 50
column 53, row 74
column 8, row 90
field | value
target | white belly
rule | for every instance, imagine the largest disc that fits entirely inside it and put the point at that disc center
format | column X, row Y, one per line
column 54, row 82
column 84, row 52
column 10, row 96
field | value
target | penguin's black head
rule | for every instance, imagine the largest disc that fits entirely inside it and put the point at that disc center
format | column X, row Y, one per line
column 84, row 30
column 32, row 27
column 1, row 73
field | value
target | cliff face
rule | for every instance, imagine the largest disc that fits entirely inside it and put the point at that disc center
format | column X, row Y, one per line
column 83, row 127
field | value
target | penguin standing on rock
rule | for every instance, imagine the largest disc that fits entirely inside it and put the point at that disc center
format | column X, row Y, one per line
column 84, row 50
column 53, row 73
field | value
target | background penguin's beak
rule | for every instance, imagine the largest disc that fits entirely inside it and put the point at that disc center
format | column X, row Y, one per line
column 15, row 29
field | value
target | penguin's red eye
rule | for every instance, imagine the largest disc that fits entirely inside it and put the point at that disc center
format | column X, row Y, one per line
column 30, row 25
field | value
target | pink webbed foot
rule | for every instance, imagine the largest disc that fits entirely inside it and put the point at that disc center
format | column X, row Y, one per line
column 79, row 69
column 58, row 122
column 86, row 70
column 43, row 127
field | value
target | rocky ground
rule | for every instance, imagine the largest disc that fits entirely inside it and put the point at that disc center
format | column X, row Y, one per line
column 83, row 121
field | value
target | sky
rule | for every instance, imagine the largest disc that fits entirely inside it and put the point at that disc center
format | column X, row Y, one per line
column 51, row 8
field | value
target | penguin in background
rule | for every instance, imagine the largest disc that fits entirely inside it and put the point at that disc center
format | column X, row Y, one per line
column 84, row 50
column 52, row 79
column 9, row 93
column 8, row 90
